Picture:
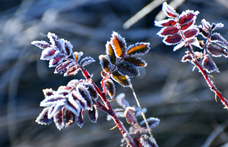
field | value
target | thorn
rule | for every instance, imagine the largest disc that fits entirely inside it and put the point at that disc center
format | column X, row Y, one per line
column 216, row 98
column 113, row 127
column 111, row 100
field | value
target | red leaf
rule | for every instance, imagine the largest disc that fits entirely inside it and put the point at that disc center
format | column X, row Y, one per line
column 169, row 10
column 56, row 60
column 131, row 119
column 216, row 50
column 184, row 26
column 187, row 16
column 72, row 71
column 172, row 39
column 168, row 31
column 165, row 23
column 63, row 67
column 190, row 33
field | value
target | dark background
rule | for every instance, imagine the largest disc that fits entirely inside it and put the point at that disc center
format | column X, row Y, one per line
column 169, row 89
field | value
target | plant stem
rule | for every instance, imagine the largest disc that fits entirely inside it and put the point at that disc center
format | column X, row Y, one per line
column 110, row 111
column 204, row 74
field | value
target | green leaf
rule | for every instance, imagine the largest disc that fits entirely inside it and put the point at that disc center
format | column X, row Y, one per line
column 122, row 80
column 127, row 68
column 105, row 63
column 138, row 48
column 110, row 52
column 118, row 44
column 136, row 61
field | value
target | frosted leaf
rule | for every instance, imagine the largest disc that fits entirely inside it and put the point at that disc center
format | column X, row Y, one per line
column 48, row 54
column 120, row 99
column 93, row 114
column 127, row 68
column 55, row 110
column 165, row 23
column 105, row 63
column 52, row 100
column 110, row 87
column 138, row 49
column 77, row 56
column 41, row 44
column 209, row 65
column 56, row 60
column 59, row 120
column 118, row 44
column 169, row 11
column 43, row 118
column 69, row 118
column 86, row 61
column 83, row 93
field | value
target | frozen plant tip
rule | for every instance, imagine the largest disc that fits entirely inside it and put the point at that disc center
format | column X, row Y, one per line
column 180, row 30
column 68, row 103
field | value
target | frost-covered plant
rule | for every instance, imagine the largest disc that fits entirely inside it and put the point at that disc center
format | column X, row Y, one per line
column 67, row 105
column 180, row 30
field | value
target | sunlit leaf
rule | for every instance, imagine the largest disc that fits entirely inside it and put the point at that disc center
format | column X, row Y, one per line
column 59, row 44
column 119, row 78
column 178, row 46
column 56, row 109
column 52, row 100
column 118, row 44
column 206, row 24
column 217, row 26
column 110, row 87
column 72, row 108
column 138, row 49
column 110, row 52
column 77, row 56
column 127, row 68
column 138, row 62
column 105, row 63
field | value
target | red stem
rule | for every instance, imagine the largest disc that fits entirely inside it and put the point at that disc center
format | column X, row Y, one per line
column 110, row 111
column 204, row 74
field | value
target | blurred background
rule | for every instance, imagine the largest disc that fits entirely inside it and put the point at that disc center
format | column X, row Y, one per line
column 169, row 89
